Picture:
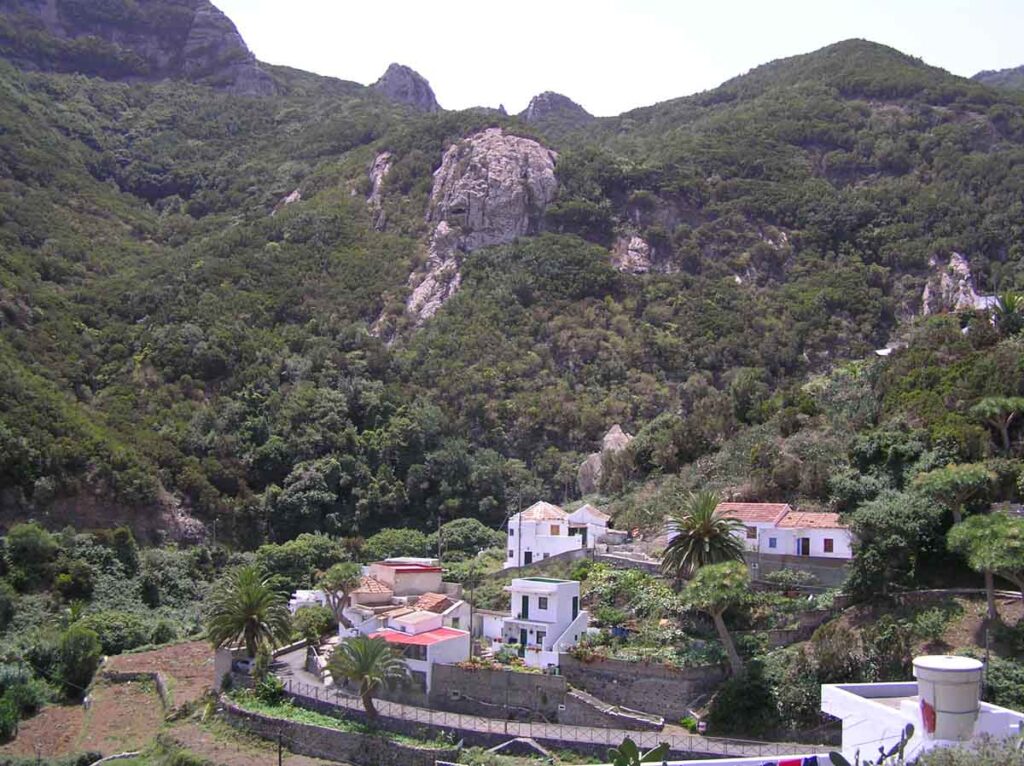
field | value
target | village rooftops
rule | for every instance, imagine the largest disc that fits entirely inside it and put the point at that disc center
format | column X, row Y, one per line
column 588, row 509
column 434, row 602
column 542, row 511
column 369, row 584
column 427, row 638
column 805, row 520
column 752, row 513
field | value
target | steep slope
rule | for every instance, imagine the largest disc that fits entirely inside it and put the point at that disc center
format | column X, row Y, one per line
column 190, row 279
column 1012, row 78
column 148, row 39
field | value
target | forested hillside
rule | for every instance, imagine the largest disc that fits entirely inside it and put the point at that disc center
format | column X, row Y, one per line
column 185, row 353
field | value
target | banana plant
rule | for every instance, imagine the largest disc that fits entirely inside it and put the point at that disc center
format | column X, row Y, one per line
column 891, row 757
column 628, row 754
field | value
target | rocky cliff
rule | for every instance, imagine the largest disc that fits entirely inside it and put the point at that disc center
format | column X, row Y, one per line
column 491, row 188
column 407, row 86
column 951, row 288
column 588, row 477
column 554, row 107
column 140, row 40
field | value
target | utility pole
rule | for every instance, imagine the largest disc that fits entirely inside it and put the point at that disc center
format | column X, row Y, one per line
column 280, row 752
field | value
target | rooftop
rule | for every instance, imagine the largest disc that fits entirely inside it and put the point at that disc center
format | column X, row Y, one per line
column 404, row 566
column 434, row 602
column 768, row 513
column 807, row 520
column 427, row 638
column 587, row 508
column 543, row 512
column 369, row 584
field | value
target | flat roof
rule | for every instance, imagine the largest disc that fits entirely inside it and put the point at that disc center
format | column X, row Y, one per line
column 402, row 566
column 544, row 579
column 427, row 638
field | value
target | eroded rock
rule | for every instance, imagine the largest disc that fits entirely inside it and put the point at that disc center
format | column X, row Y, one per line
column 632, row 255
column 951, row 288
column 588, row 477
column 405, row 85
column 490, row 189
column 378, row 174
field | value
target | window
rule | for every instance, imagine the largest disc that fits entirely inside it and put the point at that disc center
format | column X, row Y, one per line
column 829, row 546
column 555, row 530
column 751, row 533
column 773, row 542
column 541, row 635
column 544, row 556
column 455, row 622
column 542, row 602
column 413, row 652
column 511, row 532
column 510, row 553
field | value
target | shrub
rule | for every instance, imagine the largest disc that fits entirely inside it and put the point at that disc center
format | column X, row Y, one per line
column 75, row 579
column 269, row 690
column 930, row 625
column 27, row 697
column 8, row 719
column 744, row 705
column 786, row 579
column 8, row 601
column 164, row 632
column 80, row 651
column 117, row 631
column 31, row 550
column 313, row 622
column 395, row 542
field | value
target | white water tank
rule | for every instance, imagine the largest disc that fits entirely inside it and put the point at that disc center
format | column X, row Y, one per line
column 949, row 693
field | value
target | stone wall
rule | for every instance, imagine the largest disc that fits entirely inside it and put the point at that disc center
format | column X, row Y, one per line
column 649, row 687
column 624, row 562
column 829, row 572
column 333, row 744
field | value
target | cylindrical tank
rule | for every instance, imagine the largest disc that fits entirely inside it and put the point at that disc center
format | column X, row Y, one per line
column 949, row 690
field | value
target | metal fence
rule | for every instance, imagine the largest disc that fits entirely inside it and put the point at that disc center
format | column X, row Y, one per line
column 559, row 734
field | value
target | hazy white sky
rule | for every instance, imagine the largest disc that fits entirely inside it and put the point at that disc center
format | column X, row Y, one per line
column 608, row 55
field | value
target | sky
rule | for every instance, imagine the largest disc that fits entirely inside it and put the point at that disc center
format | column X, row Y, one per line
column 608, row 55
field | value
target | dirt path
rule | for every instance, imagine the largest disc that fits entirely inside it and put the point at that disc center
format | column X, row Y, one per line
column 225, row 747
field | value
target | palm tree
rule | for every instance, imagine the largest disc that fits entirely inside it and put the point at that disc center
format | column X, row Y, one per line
column 247, row 607
column 702, row 537
column 370, row 663
column 1008, row 313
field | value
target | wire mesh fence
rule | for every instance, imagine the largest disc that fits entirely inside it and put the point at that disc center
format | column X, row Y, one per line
column 564, row 734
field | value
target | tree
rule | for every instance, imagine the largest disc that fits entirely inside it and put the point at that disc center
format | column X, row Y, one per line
column 338, row 582
column 395, row 542
column 79, row 657
column 1009, row 313
column 714, row 589
column 628, row 754
column 370, row 663
column 955, row 485
column 246, row 606
column 994, row 545
column 999, row 412
column 30, row 551
column 702, row 537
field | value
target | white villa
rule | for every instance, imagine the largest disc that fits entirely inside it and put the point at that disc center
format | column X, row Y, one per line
column 545, row 619
column 424, row 640
column 544, row 530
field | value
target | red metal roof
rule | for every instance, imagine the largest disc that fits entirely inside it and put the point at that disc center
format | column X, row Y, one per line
column 808, row 520
column 768, row 513
column 427, row 638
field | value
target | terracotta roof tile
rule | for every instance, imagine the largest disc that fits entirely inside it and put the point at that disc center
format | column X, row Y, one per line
column 369, row 584
column 433, row 602
column 808, row 520
column 770, row 513
column 544, row 512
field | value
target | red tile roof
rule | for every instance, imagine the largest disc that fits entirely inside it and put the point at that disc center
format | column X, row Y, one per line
column 808, row 520
column 427, row 638
column 544, row 512
column 433, row 602
column 369, row 584
column 768, row 513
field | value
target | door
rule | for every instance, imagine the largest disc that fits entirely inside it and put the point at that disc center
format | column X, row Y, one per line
column 803, row 546
column 575, row 607
column 522, row 641
column 527, row 558
column 524, row 613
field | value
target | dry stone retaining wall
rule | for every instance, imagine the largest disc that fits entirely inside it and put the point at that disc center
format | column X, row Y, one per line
column 651, row 687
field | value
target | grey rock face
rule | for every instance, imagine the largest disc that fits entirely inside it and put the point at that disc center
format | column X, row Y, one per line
column 143, row 40
column 588, row 477
column 632, row 255
column 378, row 173
column 490, row 189
column 549, row 106
column 951, row 288
column 404, row 85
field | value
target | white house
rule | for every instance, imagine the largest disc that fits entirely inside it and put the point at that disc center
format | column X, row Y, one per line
column 756, row 518
column 541, row 531
column 396, row 587
column 302, row 598
column 589, row 523
column 423, row 640
column 818, row 535
column 545, row 619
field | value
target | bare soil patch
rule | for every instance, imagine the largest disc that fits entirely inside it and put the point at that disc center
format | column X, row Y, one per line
column 122, row 717
column 188, row 667
column 219, row 743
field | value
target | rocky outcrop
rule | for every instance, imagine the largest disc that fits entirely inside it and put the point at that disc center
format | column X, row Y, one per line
column 291, row 199
column 951, row 288
column 588, row 477
column 378, row 174
column 490, row 189
column 632, row 255
column 141, row 40
column 554, row 107
column 404, row 85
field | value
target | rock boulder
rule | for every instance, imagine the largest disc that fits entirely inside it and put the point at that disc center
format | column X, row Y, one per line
column 951, row 288
column 404, row 85
column 588, row 477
